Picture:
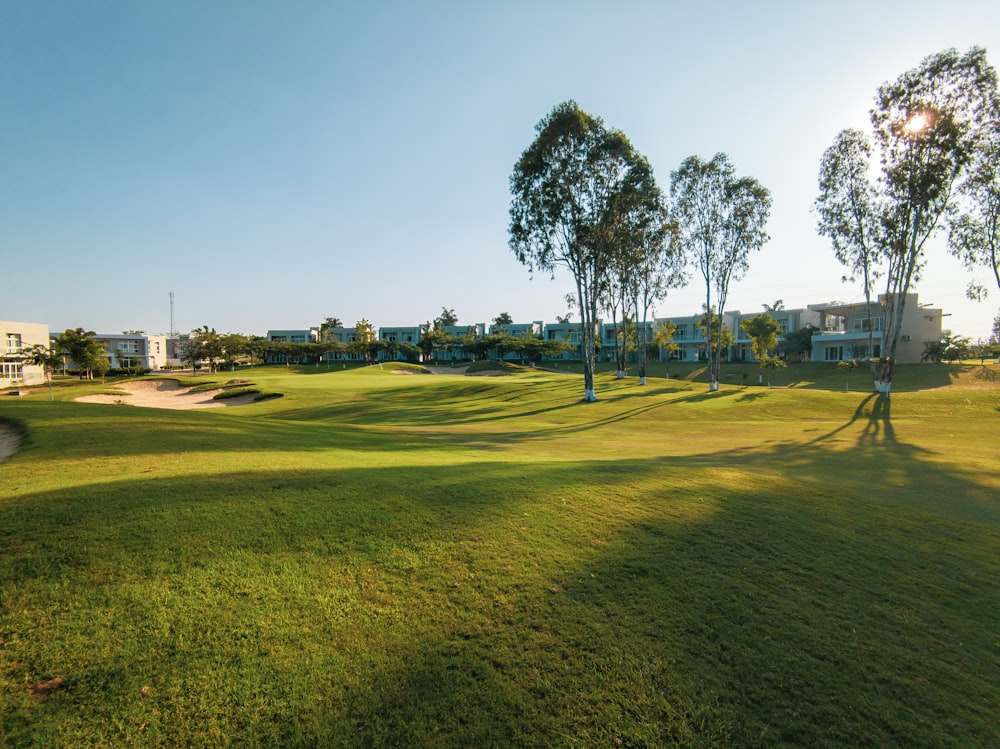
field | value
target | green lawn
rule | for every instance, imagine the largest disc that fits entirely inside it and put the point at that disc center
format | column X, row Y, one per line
column 377, row 559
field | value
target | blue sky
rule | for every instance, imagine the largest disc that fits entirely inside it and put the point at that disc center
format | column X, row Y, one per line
column 274, row 164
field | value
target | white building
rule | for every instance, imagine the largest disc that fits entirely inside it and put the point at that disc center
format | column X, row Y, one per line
column 16, row 338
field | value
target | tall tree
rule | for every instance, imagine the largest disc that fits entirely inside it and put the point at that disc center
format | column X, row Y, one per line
column 658, row 270
column 848, row 210
column 716, row 336
column 975, row 232
column 928, row 126
column 563, row 187
column 722, row 219
column 637, row 233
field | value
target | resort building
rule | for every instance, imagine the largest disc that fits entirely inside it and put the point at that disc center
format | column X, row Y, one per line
column 570, row 333
column 519, row 329
column 16, row 338
column 399, row 341
column 844, row 330
column 127, row 351
column 789, row 321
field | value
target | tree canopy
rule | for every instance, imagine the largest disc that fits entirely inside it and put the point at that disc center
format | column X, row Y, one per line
column 578, row 193
column 84, row 350
column 722, row 218
column 447, row 318
column 975, row 230
column 928, row 126
column 848, row 210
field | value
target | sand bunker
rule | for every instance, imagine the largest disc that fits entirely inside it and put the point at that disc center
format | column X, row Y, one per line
column 164, row 394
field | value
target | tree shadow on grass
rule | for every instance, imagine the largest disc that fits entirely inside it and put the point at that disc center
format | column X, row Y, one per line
column 497, row 604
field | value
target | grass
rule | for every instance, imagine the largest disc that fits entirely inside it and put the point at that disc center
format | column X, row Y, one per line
column 377, row 560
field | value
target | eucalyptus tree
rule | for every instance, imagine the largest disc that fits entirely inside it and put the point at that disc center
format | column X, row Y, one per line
column 716, row 336
column 659, row 269
column 928, row 126
column 637, row 233
column 975, row 231
column 848, row 210
column 564, row 187
column 721, row 220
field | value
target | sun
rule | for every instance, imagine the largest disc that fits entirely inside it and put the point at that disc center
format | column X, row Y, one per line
column 918, row 123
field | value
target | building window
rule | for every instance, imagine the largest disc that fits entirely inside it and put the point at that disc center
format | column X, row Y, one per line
column 861, row 324
column 11, row 371
column 13, row 343
column 128, row 347
column 834, row 353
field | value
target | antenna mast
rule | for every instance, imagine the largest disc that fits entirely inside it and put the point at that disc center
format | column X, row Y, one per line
column 172, row 331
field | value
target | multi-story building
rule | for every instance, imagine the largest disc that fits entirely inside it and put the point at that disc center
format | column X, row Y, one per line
column 399, row 340
column 570, row 333
column 16, row 338
column 309, row 335
column 689, row 337
column 293, row 336
column 789, row 321
column 519, row 329
column 844, row 330
column 129, row 350
column 843, row 334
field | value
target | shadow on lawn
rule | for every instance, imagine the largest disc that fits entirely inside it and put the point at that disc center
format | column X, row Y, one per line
column 796, row 612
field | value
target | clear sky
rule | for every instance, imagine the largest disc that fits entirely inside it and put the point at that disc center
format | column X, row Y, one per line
column 277, row 163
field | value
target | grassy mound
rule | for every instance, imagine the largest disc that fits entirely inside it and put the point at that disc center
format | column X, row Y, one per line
column 488, row 365
column 407, row 367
